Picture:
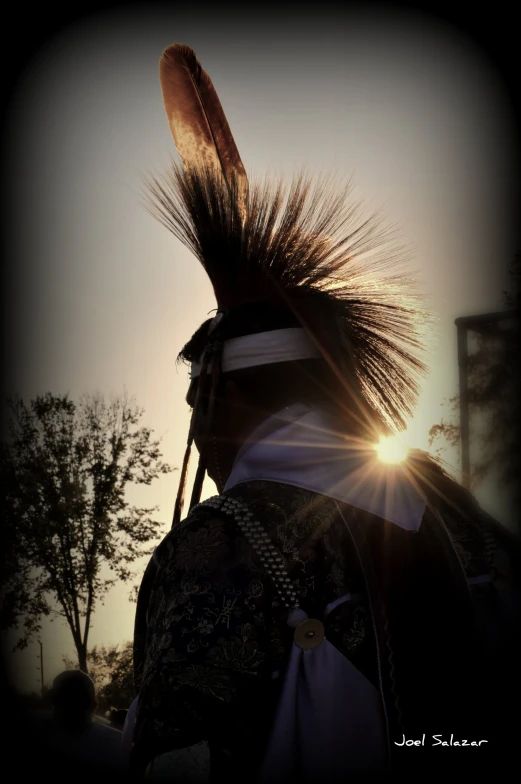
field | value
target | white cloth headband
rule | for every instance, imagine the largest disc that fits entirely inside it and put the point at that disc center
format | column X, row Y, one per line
column 264, row 348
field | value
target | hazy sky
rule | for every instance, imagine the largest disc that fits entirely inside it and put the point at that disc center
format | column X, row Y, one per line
column 104, row 298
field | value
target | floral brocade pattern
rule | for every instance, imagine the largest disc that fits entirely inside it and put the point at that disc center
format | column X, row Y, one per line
column 211, row 638
column 211, row 631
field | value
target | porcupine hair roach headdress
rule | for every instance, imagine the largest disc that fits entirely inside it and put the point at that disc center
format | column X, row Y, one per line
column 305, row 249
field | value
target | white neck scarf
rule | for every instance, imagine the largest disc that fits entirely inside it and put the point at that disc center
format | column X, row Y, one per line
column 305, row 447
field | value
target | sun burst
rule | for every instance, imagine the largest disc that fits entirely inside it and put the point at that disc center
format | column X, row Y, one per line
column 392, row 449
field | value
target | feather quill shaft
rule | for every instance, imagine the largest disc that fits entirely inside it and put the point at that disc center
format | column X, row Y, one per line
column 197, row 121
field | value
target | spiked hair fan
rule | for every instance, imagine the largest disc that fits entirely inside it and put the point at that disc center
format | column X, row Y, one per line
column 305, row 248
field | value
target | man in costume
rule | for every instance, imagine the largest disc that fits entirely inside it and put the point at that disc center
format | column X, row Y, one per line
column 325, row 617
column 75, row 745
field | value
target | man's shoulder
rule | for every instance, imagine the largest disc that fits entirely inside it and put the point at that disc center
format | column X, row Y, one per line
column 253, row 497
column 99, row 730
column 482, row 542
column 218, row 526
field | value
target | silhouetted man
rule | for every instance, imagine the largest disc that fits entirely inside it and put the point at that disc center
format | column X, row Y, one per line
column 72, row 733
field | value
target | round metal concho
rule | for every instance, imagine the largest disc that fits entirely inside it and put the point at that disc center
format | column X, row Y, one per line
column 309, row 634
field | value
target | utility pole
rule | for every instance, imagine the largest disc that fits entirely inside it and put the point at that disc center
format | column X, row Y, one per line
column 484, row 324
column 41, row 666
column 463, row 360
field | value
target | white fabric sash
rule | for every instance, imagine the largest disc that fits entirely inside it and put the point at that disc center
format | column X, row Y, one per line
column 128, row 731
column 329, row 723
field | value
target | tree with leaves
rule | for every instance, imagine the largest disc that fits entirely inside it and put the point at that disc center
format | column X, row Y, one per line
column 494, row 394
column 70, row 532
column 111, row 669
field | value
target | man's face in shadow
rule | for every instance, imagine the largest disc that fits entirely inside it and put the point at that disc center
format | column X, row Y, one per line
column 221, row 438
